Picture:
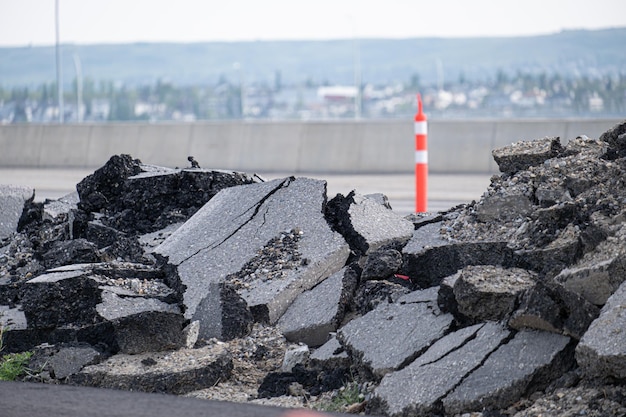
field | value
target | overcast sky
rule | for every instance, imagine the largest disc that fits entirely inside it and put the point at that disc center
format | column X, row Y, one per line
column 32, row 22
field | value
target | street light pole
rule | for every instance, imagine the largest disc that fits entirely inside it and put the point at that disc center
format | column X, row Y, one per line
column 79, row 88
column 58, row 63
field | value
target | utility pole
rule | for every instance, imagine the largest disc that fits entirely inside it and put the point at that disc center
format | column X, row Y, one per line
column 79, row 88
column 357, row 78
column 58, row 62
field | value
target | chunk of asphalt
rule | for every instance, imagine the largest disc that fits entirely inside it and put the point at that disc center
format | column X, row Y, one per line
column 12, row 201
column 560, row 253
column 525, row 364
column 487, row 292
column 65, row 359
column 174, row 372
column 418, row 388
column 224, row 256
column 381, row 264
column 330, row 355
column 142, row 198
column 600, row 272
column 142, row 324
column 60, row 298
column 392, row 335
column 601, row 352
column 318, row 312
column 367, row 224
column 526, row 153
column 80, row 297
column 54, row 209
column 428, row 257
column 550, row 306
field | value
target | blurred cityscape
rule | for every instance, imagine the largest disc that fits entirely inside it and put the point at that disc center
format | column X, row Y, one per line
column 505, row 96
column 577, row 73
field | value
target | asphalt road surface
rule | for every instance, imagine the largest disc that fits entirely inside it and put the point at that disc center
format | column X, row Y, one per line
column 445, row 190
column 22, row 399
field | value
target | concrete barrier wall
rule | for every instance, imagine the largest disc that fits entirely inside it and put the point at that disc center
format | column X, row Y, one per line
column 352, row 147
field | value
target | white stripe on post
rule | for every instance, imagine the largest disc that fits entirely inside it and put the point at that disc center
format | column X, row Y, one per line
column 421, row 128
column 421, row 157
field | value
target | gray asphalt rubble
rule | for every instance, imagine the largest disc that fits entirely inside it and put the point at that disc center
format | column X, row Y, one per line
column 218, row 284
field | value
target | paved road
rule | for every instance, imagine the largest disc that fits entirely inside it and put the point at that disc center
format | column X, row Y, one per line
column 445, row 191
column 19, row 399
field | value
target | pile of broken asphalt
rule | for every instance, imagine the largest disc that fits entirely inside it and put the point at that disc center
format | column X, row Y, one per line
column 186, row 280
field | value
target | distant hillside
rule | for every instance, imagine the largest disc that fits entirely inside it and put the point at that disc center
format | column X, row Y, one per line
column 382, row 60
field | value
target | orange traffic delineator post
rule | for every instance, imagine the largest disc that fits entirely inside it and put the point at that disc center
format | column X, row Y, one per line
column 421, row 158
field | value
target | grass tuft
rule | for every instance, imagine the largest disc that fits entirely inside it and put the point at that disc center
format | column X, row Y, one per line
column 347, row 395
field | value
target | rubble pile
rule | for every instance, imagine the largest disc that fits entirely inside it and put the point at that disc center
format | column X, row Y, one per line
column 222, row 285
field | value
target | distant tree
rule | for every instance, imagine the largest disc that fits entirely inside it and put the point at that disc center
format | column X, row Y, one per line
column 501, row 78
column 414, row 83
column 278, row 83
column 462, row 79
column 122, row 106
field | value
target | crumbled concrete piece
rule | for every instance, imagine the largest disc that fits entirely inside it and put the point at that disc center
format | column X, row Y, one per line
column 488, row 292
column 523, row 154
column 551, row 307
column 12, row 201
column 293, row 356
column 366, row 224
column 177, row 372
column 602, row 350
column 419, row 388
column 190, row 333
column 389, row 336
column 523, row 365
column 316, row 313
column 229, row 251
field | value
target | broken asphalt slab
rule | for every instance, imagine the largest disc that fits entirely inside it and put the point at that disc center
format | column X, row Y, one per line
column 476, row 368
column 602, row 350
column 131, row 311
column 316, row 313
column 250, row 251
column 389, row 337
column 174, row 372
column 142, row 198
column 419, row 388
column 12, row 201
column 520, row 367
column 366, row 223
